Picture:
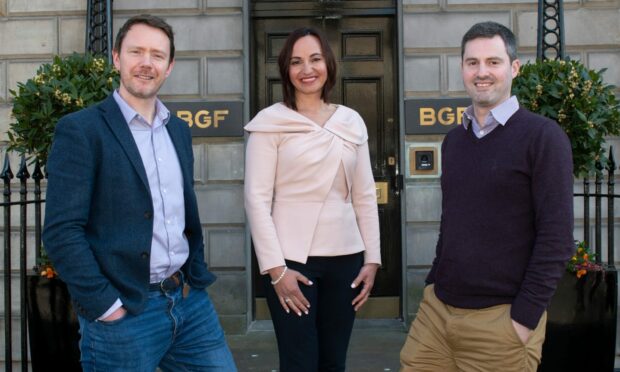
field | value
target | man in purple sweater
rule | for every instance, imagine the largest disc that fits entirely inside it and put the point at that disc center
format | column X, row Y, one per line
column 506, row 225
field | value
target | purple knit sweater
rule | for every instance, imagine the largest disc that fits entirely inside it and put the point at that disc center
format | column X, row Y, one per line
column 507, row 217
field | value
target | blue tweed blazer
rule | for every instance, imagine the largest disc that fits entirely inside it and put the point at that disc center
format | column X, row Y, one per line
column 99, row 212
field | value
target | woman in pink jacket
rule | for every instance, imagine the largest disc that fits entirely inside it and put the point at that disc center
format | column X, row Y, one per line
column 311, row 204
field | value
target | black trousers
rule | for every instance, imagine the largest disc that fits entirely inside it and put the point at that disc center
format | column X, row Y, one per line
column 317, row 341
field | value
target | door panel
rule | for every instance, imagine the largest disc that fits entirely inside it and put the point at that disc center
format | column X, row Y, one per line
column 364, row 48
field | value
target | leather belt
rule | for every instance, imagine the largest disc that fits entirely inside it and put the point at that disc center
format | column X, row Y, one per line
column 174, row 281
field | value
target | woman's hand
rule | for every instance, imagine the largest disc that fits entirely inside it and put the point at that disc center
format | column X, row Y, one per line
column 366, row 276
column 288, row 290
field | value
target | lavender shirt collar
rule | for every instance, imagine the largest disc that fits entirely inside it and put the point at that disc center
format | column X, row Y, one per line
column 499, row 115
column 162, row 114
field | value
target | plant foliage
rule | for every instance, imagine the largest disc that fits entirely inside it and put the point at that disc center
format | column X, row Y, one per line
column 582, row 261
column 66, row 85
column 578, row 99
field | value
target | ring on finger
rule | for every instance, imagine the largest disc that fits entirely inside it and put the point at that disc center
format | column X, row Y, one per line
column 287, row 300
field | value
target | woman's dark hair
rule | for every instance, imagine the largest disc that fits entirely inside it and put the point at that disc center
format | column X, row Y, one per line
column 149, row 20
column 284, row 61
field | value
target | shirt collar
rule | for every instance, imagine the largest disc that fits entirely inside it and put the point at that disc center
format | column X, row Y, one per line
column 162, row 114
column 500, row 113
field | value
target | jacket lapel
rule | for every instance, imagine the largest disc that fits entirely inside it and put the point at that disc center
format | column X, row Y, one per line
column 115, row 120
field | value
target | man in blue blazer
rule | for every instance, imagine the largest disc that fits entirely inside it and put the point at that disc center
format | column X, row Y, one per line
column 122, row 225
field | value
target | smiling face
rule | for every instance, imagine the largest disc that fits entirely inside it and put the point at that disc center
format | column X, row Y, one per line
column 488, row 72
column 307, row 69
column 143, row 63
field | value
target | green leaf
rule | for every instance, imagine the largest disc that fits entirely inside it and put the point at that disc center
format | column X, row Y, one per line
column 586, row 108
column 38, row 102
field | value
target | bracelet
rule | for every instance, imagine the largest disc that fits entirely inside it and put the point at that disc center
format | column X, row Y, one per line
column 274, row 282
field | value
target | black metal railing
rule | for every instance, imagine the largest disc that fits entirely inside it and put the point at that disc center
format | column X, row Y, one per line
column 598, row 197
column 31, row 185
column 24, row 204
column 550, row 40
column 99, row 28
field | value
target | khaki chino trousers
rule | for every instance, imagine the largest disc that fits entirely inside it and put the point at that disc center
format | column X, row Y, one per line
column 444, row 338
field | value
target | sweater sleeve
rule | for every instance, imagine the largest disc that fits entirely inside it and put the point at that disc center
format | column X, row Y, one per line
column 552, row 192
column 364, row 199
column 260, row 174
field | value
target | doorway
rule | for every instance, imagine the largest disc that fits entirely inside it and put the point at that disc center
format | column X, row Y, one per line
column 364, row 44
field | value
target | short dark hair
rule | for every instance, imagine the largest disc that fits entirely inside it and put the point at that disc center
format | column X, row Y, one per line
column 489, row 30
column 149, row 20
column 284, row 60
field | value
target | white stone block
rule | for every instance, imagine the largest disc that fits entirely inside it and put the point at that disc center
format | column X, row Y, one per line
column 422, row 240
column 15, row 336
column 72, row 35
column 15, row 237
column 224, row 76
column 440, row 30
column 225, row 161
column 199, row 163
column 143, row 5
column 461, row 2
column 220, row 203
column 610, row 61
column 420, row 2
column 422, row 74
column 21, row 72
column 226, row 248
column 455, row 77
column 582, row 27
column 20, row 6
column 423, row 202
column 224, row 3
column 211, row 32
column 184, row 79
column 28, row 36
column 3, row 88
column 5, row 120
column 202, row 33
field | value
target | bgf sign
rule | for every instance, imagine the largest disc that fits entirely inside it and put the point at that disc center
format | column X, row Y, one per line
column 434, row 116
column 210, row 119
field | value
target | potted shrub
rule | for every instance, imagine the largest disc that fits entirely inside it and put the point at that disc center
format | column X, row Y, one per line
column 582, row 314
column 66, row 85
column 581, row 319
column 577, row 99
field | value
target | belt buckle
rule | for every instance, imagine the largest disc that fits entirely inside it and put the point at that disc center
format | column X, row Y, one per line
column 174, row 277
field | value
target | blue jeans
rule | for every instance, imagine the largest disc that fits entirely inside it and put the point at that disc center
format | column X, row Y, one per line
column 174, row 333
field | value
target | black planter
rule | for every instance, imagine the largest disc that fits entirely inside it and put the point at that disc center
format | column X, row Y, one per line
column 581, row 324
column 52, row 326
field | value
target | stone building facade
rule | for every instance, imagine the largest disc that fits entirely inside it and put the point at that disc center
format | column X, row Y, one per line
column 215, row 62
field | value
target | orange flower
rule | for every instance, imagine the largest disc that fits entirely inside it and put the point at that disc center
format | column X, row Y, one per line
column 581, row 273
column 48, row 272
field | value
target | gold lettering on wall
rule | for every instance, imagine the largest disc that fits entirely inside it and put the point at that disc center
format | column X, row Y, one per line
column 444, row 116
column 203, row 118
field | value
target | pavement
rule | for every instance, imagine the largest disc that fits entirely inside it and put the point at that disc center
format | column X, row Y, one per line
column 375, row 346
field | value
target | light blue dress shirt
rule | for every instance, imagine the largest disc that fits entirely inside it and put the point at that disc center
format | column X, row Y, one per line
column 169, row 248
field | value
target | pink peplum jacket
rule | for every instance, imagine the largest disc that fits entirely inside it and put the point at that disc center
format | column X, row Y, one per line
column 291, row 163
